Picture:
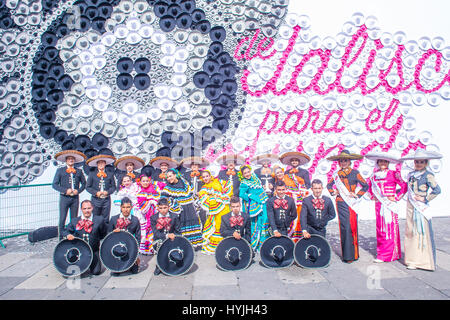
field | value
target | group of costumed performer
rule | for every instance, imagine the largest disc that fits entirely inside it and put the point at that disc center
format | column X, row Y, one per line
column 198, row 193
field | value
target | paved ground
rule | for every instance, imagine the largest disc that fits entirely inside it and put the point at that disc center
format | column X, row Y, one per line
column 27, row 272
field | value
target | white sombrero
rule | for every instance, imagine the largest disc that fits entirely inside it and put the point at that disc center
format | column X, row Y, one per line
column 122, row 162
column 156, row 162
column 288, row 156
column 92, row 162
column 270, row 157
column 225, row 159
column 375, row 156
column 62, row 156
column 187, row 162
column 422, row 154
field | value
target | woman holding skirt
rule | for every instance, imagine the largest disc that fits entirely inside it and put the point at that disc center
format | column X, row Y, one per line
column 254, row 200
column 420, row 251
column 146, row 199
column 181, row 201
column 383, row 189
column 214, row 199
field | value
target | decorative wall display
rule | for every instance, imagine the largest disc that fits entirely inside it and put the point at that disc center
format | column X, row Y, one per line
column 148, row 77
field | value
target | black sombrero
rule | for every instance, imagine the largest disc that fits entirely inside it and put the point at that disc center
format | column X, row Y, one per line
column 72, row 258
column 119, row 251
column 175, row 257
column 314, row 252
column 232, row 254
column 277, row 252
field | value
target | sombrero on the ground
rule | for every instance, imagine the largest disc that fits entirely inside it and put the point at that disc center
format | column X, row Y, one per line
column 277, row 252
column 187, row 162
column 225, row 159
column 288, row 156
column 232, row 254
column 92, row 162
column 121, row 163
column 422, row 154
column 62, row 156
column 270, row 157
column 314, row 252
column 119, row 251
column 375, row 156
column 156, row 162
column 71, row 258
column 175, row 257
column 345, row 154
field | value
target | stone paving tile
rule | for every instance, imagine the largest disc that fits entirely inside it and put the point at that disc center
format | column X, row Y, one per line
column 313, row 291
column 129, row 280
column 119, row 294
column 443, row 259
column 298, row 275
column 8, row 283
column 446, row 292
column 210, row 275
column 411, row 289
column 26, row 294
column 219, row 292
column 386, row 270
column 361, row 285
column 84, row 288
column 259, row 282
column 9, row 259
column 163, row 287
column 438, row 279
column 47, row 278
column 25, row 268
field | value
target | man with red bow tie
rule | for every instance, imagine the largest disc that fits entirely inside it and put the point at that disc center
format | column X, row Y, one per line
column 90, row 228
column 69, row 182
column 235, row 223
column 317, row 210
column 281, row 210
column 101, row 184
column 125, row 221
column 230, row 173
column 165, row 225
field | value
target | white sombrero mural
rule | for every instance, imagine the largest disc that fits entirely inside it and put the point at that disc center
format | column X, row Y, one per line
column 145, row 78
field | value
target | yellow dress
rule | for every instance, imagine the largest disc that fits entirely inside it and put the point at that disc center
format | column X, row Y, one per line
column 214, row 198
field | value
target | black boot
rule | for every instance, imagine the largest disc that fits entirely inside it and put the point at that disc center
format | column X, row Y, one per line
column 134, row 269
column 157, row 271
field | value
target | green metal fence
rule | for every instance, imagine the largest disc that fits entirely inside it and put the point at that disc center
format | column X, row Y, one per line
column 26, row 208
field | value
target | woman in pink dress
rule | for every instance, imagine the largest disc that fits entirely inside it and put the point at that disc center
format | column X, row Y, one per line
column 146, row 199
column 383, row 189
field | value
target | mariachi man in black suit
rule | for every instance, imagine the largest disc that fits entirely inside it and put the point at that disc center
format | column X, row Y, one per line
column 69, row 182
column 230, row 173
column 125, row 221
column 317, row 210
column 281, row 210
column 236, row 223
column 101, row 185
column 90, row 228
column 165, row 225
